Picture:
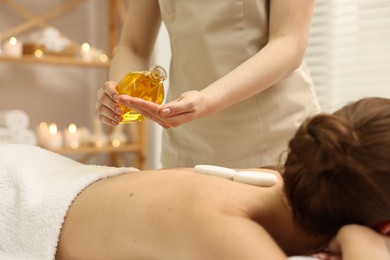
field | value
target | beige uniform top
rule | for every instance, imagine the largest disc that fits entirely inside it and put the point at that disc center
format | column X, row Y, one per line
column 208, row 40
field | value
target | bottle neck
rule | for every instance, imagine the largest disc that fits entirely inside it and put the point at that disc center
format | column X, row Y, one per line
column 153, row 79
column 158, row 73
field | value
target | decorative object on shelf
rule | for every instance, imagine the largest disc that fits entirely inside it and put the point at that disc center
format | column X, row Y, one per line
column 13, row 47
column 54, row 41
column 49, row 42
column 25, row 136
column 14, row 128
column 14, row 119
column 5, row 136
column 31, row 48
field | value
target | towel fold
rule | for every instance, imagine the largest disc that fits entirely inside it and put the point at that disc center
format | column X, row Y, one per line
column 36, row 189
column 14, row 119
column 21, row 136
column 25, row 136
column 5, row 136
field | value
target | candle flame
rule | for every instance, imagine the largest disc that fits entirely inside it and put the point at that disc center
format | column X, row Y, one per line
column 103, row 58
column 85, row 47
column 99, row 143
column 53, row 129
column 43, row 125
column 13, row 41
column 74, row 144
column 116, row 143
column 72, row 128
column 38, row 53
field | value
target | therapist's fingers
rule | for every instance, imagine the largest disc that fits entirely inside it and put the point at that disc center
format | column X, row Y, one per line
column 107, row 117
column 107, row 107
column 146, row 108
column 109, row 88
column 189, row 106
column 189, row 102
column 138, row 104
column 152, row 111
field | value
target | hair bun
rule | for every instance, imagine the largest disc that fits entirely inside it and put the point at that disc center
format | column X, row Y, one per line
column 328, row 140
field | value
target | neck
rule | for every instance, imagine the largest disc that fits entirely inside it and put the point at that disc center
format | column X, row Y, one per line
column 292, row 238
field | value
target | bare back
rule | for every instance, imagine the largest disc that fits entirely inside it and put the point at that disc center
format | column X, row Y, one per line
column 178, row 214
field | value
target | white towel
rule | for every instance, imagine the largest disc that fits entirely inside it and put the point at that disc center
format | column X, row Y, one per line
column 21, row 136
column 5, row 136
column 25, row 136
column 36, row 189
column 14, row 119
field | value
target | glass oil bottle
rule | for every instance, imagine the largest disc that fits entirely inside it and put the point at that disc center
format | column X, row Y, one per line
column 148, row 85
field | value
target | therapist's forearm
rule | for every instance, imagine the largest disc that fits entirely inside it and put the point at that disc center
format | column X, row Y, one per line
column 137, row 39
column 273, row 63
column 125, row 61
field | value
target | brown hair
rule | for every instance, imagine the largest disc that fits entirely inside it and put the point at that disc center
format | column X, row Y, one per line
column 337, row 170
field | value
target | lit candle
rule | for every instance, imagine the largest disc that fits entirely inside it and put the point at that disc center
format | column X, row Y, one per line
column 72, row 136
column 115, row 142
column 99, row 143
column 103, row 58
column 13, row 48
column 98, row 137
column 38, row 53
column 43, row 134
column 85, row 135
column 100, row 56
column 99, row 140
column 118, row 137
column 55, row 137
column 87, row 52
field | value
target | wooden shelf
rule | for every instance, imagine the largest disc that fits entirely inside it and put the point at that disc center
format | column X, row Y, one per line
column 52, row 60
column 116, row 155
column 116, row 16
column 131, row 147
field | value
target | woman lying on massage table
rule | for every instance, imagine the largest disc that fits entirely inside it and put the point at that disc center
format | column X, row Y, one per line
column 337, row 173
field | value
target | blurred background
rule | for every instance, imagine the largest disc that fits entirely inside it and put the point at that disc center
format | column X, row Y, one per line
column 67, row 46
column 349, row 50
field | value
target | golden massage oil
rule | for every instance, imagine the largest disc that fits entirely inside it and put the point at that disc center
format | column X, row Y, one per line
column 148, row 85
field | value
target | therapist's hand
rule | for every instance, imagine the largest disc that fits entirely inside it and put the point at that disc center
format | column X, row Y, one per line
column 107, row 106
column 189, row 106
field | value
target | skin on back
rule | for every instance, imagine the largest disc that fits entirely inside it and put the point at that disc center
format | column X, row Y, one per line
column 178, row 214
